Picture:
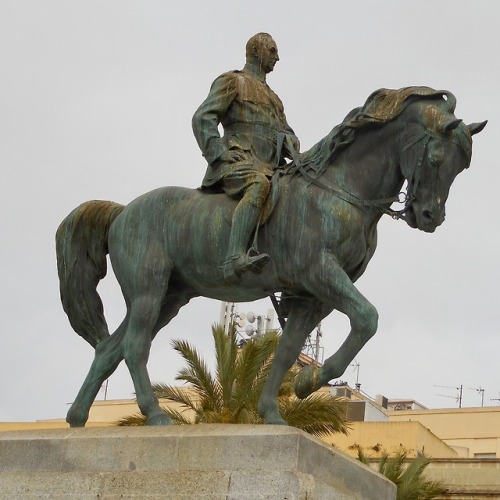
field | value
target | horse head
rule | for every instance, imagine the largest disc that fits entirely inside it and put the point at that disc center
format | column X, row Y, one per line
column 436, row 147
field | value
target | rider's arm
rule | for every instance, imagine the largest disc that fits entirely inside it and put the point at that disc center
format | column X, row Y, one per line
column 208, row 116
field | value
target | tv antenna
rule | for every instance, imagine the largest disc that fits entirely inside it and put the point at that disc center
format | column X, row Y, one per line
column 496, row 399
column 313, row 348
column 480, row 391
column 457, row 398
column 355, row 365
column 104, row 388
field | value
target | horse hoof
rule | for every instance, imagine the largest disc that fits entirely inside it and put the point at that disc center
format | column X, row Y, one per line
column 270, row 414
column 276, row 420
column 74, row 419
column 160, row 419
column 307, row 381
column 76, row 426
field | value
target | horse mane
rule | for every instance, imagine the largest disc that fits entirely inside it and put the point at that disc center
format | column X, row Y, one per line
column 381, row 107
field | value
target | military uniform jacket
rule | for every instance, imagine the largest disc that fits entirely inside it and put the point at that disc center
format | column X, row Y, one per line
column 252, row 116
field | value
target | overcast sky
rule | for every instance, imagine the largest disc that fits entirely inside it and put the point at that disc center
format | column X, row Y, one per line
column 96, row 100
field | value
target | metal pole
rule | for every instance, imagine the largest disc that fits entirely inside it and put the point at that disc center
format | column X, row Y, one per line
column 318, row 335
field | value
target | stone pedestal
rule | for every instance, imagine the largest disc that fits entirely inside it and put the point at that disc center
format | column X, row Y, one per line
column 182, row 462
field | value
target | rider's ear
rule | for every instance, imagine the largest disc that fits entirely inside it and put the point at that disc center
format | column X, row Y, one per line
column 475, row 128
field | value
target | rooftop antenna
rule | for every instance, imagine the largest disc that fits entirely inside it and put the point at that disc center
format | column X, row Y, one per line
column 479, row 390
column 312, row 348
column 227, row 311
column 457, row 398
column 104, row 388
column 356, row 367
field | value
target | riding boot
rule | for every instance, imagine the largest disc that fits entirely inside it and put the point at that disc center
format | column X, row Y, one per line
column 244, row 223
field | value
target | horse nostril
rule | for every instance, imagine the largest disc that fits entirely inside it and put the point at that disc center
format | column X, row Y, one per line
column 427, row 214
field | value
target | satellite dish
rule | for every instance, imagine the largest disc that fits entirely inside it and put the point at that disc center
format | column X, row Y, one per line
column 250, row 317
column 249, row 330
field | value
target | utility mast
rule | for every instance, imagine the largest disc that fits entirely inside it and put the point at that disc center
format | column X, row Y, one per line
column 457, row 398
column 312, row 345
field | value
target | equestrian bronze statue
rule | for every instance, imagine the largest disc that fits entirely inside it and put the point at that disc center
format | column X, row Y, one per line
column 318, row 229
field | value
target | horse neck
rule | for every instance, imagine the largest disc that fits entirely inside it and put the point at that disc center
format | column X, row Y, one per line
column 369, row 167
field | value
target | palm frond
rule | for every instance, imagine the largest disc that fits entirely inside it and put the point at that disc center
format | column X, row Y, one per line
column 250, row 366
column 176, row 394
column 135, row 420
column 196, row 373
column 176, row 416
column 432, row 489
column 232, row 397
column 362, row 457
column 410, row 481
column 393, row 468
column 414, row 485
column 319, row 414
column 226, row 352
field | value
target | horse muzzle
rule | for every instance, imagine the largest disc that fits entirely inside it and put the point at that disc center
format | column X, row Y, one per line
column 424, row 218
column 428, row 218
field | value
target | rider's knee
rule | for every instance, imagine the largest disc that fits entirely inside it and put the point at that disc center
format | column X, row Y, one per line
column 258, row 191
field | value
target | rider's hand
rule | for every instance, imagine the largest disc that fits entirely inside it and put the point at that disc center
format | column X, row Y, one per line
column 232, row 156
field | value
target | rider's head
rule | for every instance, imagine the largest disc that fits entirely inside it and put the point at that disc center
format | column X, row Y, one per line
column 261, row 50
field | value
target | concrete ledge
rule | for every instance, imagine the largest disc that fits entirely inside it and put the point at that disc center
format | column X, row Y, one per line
column 197, row 461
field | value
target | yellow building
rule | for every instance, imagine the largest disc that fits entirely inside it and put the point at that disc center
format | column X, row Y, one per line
column 471, row 432
column 463, row 443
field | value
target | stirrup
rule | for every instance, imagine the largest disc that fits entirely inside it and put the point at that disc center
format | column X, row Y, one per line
column 240, row 264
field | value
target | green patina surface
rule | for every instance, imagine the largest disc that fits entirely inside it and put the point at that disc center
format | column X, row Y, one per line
column 170, row 245
column 173, row 244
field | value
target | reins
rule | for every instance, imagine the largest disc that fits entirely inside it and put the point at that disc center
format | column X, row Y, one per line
column 402, row 197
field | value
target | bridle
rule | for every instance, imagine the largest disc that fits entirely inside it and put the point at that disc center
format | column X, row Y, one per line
column 414, row 179
column 401, row 198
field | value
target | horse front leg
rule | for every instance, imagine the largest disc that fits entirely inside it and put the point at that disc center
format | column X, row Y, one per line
column 364, row 320
column 304, row 315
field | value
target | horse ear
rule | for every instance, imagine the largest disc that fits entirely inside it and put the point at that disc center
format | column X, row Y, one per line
column 475, row 128
column 450, row 125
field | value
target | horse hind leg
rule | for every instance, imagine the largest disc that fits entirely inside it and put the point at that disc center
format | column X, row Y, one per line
column 176, row 299
column 137, row 347
column 108, row 355
column 151, row 308
column 144, row 312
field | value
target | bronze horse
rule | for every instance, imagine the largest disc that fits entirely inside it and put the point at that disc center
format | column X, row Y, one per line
column 168, row 246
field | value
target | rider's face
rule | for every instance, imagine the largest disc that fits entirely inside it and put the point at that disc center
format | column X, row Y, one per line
column 268, row 55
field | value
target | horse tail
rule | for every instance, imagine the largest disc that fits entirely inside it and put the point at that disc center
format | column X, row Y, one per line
column 81, row 249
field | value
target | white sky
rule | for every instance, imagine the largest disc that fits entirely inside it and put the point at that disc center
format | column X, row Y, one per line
column 96, row 99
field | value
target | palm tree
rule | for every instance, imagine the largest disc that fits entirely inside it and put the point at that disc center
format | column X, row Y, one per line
column 231, row 396
column 410, row 481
